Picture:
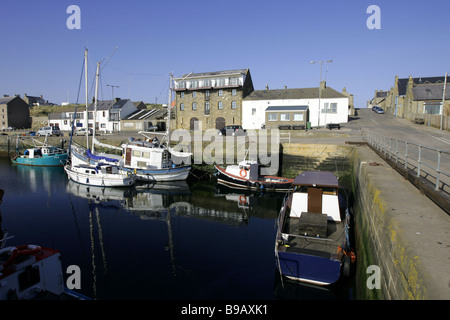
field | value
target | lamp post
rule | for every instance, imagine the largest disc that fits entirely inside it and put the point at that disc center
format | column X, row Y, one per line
column 112, row 88
column 320, row 87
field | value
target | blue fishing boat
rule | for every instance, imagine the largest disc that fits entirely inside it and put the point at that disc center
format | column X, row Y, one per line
column 43, row 156
column 313, row 240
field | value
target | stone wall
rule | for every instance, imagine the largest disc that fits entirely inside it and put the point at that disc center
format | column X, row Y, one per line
column 399, row 230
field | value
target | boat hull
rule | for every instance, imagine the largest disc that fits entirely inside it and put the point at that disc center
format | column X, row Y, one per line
column 308, row 268
column 160, row 175
column 50, row 161
column 110, row 180
column 270, row 183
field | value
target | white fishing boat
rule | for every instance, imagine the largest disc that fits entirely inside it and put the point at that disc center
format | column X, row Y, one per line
column 151, row 161
column 31, row 272
column 102, row 175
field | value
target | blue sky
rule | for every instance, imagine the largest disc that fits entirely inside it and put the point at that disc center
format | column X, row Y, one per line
column 276, row 40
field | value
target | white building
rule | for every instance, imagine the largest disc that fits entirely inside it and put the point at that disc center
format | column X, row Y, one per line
column 107, row 118
column 333, row 105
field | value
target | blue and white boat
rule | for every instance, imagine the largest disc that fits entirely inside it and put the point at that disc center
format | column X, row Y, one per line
column 151, row 161
column 43, row 156
column 312, row 240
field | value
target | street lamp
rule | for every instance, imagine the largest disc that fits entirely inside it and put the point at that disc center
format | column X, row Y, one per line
column 112, row 88
column 320, row 85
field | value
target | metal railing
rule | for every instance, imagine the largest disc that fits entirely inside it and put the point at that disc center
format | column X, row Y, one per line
column 430, row 163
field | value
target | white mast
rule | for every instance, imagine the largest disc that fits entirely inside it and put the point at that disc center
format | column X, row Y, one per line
column 169, row 110
column 86, row 121
column 95, row 103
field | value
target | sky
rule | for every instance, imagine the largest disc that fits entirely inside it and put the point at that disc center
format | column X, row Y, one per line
column 141, row 42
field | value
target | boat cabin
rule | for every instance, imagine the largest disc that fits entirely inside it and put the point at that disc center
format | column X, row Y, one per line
column 33, row 153
column 247, row 169
column 316, row 192
column 146, row 158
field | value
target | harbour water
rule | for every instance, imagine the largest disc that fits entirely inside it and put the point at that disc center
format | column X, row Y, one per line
column 187, row 240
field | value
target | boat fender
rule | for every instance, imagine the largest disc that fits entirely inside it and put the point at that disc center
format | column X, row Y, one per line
column 243, row 173
column 242, row 199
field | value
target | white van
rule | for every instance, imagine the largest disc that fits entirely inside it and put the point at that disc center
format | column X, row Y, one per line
column 48, row 131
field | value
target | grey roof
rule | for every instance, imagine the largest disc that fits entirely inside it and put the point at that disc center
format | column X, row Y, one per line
column 430, row 92
column 319, row 178
column 108, row 104
column 214, row 73
column 147, row 114
column 5, row 100
column 403, row 83
column 303, row 93
column 287, row 108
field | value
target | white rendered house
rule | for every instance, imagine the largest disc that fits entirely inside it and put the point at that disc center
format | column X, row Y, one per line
column 333, row 105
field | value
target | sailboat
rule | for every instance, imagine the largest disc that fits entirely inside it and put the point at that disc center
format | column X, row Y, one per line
column 147, row 158
column 98, row 174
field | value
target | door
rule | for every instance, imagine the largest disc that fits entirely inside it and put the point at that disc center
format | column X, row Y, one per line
column 220, row 123
column 315, row 200
column 128, row 156
column 194, row 124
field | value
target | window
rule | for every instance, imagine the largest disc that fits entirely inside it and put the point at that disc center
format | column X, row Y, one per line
column 273, row 117
column 181, row 94
column 333, row 108
column 206, row 107
column 285, row 116
column 329, row 108
column 136, row 153
column 253, row 111
column 233, row 105
column 220, row 93
column 207, row 93
column 220, row 105
column 181, row 106
column 233, row 92
column 194, row 94
column 194, row 106
column 298, row 116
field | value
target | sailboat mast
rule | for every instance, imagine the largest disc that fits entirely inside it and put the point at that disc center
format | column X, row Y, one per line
column 86, row 120
column 169, row 110
column 95, row 103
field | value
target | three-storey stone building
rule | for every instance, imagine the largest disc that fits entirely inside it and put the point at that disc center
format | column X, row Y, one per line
column 212, row 99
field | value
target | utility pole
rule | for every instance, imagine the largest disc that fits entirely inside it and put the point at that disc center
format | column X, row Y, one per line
column 443, row 101
column 320, row 87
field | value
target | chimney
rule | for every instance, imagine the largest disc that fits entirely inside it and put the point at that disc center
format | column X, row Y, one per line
column 117, row 99
column 323, row 85
column 267, row 86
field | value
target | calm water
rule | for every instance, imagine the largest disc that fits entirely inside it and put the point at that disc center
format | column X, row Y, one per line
column 181, row 241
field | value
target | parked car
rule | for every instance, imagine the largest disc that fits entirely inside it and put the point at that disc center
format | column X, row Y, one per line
column 232, row 130
column 49, row 131
column 82, row 132
column 379, row 110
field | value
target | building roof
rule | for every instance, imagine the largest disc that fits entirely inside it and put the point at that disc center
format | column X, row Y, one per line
column 430, row 92
column 303, row 93
column 403, row 83
column 213, row 74
column 5, row 100
column 108, row 104
column 147, row 114
column 287, row 108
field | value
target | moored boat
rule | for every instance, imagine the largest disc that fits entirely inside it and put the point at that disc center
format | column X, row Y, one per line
column 100, row 175
column 312, row 241
column 43, row 156
column 151, row 161
column 31, row 272
column 246, row 175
